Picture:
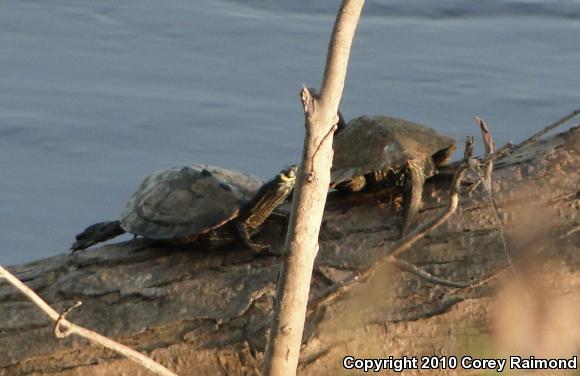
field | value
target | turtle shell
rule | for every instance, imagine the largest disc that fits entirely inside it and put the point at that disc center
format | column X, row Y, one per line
column 372, row 143
column 187, row 201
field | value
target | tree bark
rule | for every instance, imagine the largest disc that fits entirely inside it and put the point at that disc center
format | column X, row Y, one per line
column 320, row 112
column 207, row 313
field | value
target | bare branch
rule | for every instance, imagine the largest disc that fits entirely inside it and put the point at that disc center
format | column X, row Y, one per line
column 548, row 128
column 572, row 231
column 413, row 269
column 339, row 52
column 468, row 153
column 340, row 288
column 408, row 240
column 489, row 145
column 70, row 328
column 57, row 331
column 419, row 233
column 311, row 189
column 486, row 179
column 509, row 148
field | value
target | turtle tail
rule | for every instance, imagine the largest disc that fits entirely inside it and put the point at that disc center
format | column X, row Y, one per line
column 99, row 232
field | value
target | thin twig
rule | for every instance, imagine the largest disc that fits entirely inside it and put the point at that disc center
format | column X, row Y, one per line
column 541, row 246
column 572, row 231
column 495, row 212
column 548, row 128
column 57, row 331
column 468, row 153
column 486, row 179
column 423, row 274
column 70, row 328
column 419, row 233
column 509, row 148
column 408, row 240
column 489, row 146
column 333, row 291
column 339, row 288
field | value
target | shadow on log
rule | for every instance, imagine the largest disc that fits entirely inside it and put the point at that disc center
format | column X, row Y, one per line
column 207, row 312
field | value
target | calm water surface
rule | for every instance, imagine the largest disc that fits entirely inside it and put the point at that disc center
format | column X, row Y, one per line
column 95, row 95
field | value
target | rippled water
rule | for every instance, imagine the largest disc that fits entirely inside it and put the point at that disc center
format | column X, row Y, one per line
column 95, row 95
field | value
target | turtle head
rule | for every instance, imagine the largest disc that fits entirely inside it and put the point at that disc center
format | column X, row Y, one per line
column 288, row 175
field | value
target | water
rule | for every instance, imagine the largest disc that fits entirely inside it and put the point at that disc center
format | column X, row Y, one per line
column 95, row 95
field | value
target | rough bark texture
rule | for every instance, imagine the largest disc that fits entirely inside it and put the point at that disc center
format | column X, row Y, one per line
column 206, row 313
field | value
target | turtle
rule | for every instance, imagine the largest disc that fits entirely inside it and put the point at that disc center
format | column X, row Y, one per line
column 199, row 203
column 372, row 152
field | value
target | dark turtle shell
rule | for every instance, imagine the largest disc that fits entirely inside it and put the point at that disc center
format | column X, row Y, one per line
column 188, row 201
column 372, row 143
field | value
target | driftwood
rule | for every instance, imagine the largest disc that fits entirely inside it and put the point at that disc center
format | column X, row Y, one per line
column 202, row 312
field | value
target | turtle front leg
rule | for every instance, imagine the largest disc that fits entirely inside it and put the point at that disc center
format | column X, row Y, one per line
column 244, row 234
column 414, row 180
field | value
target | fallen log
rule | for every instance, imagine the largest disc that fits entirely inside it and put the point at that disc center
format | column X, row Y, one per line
column 202, row 312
